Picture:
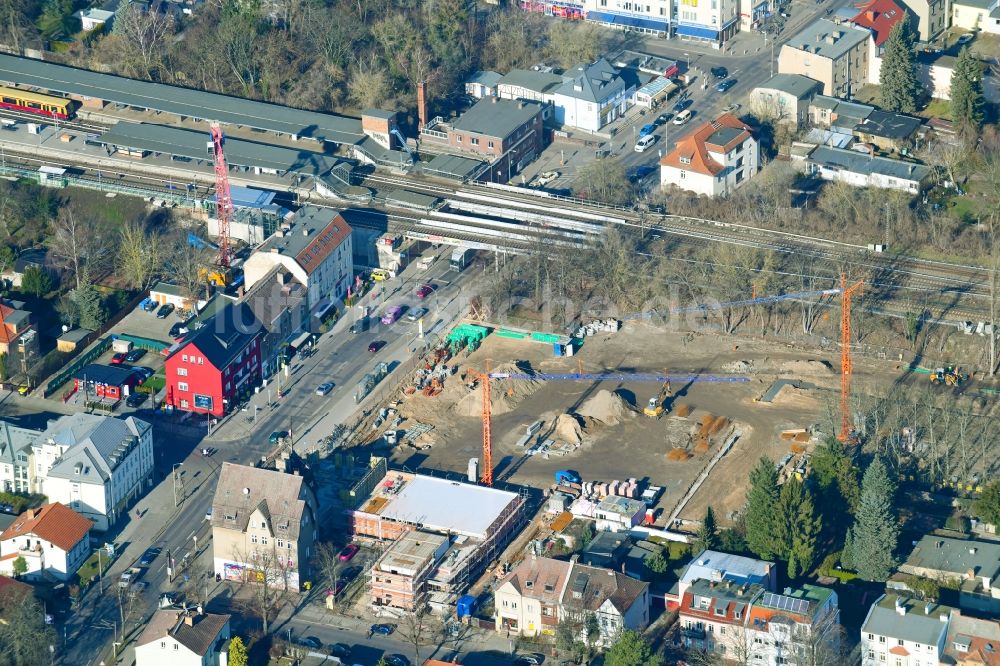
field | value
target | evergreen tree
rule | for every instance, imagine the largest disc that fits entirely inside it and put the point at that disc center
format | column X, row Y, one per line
column 762, row 509
column 631, row 649
column 837, row 490
column 447, row 22
column 708, row 533
column 967, row 100
column 89, row 305
column 988, row 504
column 798, row 527
column 875, row 533
column 657, row 563
column 36, row 281
column 899, row 85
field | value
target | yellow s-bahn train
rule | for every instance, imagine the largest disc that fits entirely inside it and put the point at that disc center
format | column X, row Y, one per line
column 42, row 105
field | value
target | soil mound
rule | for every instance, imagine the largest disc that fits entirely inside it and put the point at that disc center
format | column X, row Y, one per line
column 791, row 396
column 505, row 394
column 678, row 455
column 568, row 429
column 738, row 367
column 605, row 407
column 807, row 367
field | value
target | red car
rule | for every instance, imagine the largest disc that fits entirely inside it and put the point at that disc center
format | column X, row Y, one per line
column 349, row 551
column 425, row 290
column 118, row 359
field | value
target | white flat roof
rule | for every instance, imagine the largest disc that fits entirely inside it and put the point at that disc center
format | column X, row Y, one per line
column 443, row 505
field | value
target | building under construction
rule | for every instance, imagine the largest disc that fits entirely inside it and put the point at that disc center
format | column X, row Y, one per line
column 478, row 523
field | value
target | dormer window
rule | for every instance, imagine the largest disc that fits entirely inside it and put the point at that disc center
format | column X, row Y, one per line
column 529, row 584
column 685, row 160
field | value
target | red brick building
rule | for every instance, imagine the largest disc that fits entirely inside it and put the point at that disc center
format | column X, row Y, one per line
column 218, row 365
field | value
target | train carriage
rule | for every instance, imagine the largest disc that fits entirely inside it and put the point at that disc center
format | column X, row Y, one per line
column 36, row 103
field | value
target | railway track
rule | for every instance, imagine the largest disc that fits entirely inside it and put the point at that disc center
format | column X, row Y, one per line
column 76, row 125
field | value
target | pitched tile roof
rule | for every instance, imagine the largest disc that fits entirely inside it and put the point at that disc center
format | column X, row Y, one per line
column 972, row 641
column 224, row 336
column 691, row 152
column 55, row 523
column 241, row 490
column 879, row 16
column 539, row 578
column 590, row 587
column 197, row 637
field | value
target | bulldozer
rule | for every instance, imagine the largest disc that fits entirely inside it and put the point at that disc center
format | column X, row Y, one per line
column 654, row 408
column 949, row 376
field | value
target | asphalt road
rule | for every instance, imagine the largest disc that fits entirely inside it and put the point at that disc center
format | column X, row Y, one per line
column 340, row 357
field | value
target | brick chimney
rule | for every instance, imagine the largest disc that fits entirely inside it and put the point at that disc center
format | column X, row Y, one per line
column 421, row 105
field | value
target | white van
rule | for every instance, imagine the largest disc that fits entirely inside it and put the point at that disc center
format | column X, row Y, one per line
column 682, row 117
column 645, row 142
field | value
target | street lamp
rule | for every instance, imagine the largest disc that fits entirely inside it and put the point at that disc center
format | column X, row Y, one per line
column 688, row 57
column 173, row 473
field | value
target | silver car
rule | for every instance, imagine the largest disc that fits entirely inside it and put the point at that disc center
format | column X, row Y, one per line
column 414, row 315
column 324, row 388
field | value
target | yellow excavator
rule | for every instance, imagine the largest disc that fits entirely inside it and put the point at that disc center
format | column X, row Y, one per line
column 654, row 408
column 949, row 376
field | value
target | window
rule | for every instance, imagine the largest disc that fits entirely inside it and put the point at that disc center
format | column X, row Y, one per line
column 281, row 543
column 163, row 644
column 176, row 647
column 899, row 642
column 491, row 144
column 182, row 372
column 683, row 174
column 182, row 386
column 474, row 141
column 184, row 404
column 184, row 357
column 685, row 160
column 201, row 360
column 253, row 538
column 263, row 541
column 881, row 639
column 458, row 138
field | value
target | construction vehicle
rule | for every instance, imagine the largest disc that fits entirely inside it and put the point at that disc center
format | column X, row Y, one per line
column 949, row 376
column 655, row 406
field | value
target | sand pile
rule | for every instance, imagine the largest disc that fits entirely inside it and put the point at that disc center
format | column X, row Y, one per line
column 505, row 394
column 678, row 455
column 807, row 367
column 568, row 429
column 792, row 396
column 738, row 367
column 606, row 407
column 682, row 410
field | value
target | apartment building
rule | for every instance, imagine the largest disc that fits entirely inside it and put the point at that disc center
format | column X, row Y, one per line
column 711, row 21
column 836, row 55
column 399, row 577
column 263, row 524
column 972, row 641
column 652, row 17
column 527, row 599
column 899, row 631
column 785, row 97
column 715, row 566
column 931, row 17
column 973, row 565
column 786, row 628
column 15, row 457
column 96, row 465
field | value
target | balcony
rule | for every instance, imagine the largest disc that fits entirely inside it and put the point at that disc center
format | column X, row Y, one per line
column 695, row 633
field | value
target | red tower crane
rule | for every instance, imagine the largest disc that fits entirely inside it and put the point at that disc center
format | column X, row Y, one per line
column 487, row 475
column 223, row 197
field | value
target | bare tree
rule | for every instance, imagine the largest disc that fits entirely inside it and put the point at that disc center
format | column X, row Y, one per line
column 143, row 34
column 265, row 577
column 139, row 255
column 369, row 84
column 189, row 266
column 75, row 242
column 419, row 628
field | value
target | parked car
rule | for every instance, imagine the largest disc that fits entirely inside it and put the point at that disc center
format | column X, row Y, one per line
column 397, row 660
column 546, row 177
column 414, row 315
column 644, row 171
column 425, row 290
column 164, row 311
column 735, row 106
column 965, row 39
column 135, row 355
column 118, row 358
column 136, row 399
column 646, row 130
column 532, row 659
column 277, row 436
column 324, row 388
column 719, row 72
column 680, row 106
column 311, row 642
column 177, row 330
column 150, row 555
column 645, row 142
column 725, row 85
column 384, row 629
column 662, row 118
column 349, row 551
column 208, row 514
column 682, row 117
column 392, row 314
column 148, row 305
column 340, row 650
column 376, row 345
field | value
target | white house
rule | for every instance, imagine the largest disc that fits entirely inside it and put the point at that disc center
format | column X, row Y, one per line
column 93, row 18
column 592, row 95
column 53, row 540
column 862, row 170
column 714, row 160
column 976, row 15
column 15, row 457
column 617, row 514
column 184, row 638
column 96, row 465
column 315, row 247
column 904, row 632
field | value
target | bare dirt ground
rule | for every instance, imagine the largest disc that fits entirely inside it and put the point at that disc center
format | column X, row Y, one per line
column 616, row 443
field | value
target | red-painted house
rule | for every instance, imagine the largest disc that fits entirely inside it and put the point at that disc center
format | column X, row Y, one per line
column 105, row 381
column 217, row 365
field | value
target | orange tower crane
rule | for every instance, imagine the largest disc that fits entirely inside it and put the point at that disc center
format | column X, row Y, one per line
column 846, row 294
column 487, row 434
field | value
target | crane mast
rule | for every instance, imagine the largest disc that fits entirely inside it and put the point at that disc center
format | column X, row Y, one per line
column 223, row 197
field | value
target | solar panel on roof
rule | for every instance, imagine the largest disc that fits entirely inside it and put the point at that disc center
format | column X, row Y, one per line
column 784, row 603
